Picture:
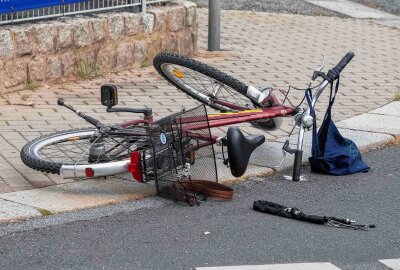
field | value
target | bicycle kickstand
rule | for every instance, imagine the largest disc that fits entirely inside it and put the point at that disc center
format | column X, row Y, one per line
column 298, row 157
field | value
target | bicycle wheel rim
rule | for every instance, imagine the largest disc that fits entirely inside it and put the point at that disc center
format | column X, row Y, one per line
column 208, row 90
column 48, row 153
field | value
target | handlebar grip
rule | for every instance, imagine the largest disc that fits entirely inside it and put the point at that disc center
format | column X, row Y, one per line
column 60, row 102
column 345, row 60
column 335, row 72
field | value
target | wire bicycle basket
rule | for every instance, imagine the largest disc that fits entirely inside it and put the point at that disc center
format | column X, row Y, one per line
column 181, row 155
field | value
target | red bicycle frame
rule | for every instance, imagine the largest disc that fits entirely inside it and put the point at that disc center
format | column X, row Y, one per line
column 227, row 118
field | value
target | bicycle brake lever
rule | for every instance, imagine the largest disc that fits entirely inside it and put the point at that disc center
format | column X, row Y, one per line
column 322, row 64
column 318, row 72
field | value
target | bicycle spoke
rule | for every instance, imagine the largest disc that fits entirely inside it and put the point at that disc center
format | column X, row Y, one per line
column 77, row 151
column 206, row 86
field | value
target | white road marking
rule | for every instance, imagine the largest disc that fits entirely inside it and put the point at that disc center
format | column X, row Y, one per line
column 289, row 266
column 393, row 264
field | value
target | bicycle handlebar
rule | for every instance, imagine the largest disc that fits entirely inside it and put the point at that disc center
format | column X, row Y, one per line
column 91, row 120
column 335, row 72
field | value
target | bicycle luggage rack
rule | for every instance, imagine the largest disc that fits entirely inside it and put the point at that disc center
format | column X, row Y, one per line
column 180, row 154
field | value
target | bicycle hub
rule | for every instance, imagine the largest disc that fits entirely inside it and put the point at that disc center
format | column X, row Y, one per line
column 97, row 151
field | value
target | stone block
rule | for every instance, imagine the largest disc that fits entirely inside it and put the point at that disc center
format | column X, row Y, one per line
column 132, row 23
column 81, row 194
column 194, row 29
column 37, row 69
column 68, row 63
column 83, row 33
column 190, row 13
column 116, row 26
column 23, row 41
column 87, row 58
column 11, row 211
column 45, row 36
column 140, row 52
column 15, row 73
column 169, row 43
column 194, row 39
column 392, row 108
column 65, row 37
column 176, row 18
column 107, row 59
column 54, row 68
column 147, row 23
column 125, row 54
column 99, row 29
column 153, row 47
column 6, row 44
column 160, row 18
column 185, row 43
column 372, row 123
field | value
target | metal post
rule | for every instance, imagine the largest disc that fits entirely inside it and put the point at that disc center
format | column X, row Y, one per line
column 214, row 25
column 144, row 6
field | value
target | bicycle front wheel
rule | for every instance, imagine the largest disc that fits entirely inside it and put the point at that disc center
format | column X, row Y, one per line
column 78, row 147
column 204, row 83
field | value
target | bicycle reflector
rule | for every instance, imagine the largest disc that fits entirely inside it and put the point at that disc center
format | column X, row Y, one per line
column 89, row 172
column 135, row 166
column 177, row 73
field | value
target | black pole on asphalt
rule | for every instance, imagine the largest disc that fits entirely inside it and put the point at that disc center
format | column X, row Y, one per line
column 214, row 25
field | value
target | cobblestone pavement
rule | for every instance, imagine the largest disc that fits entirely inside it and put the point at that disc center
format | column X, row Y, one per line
column 262, row 49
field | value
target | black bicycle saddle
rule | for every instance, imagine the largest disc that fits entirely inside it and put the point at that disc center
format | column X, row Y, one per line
column 240, row 149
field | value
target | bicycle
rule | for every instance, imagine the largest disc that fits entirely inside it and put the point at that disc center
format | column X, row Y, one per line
column 105, row 150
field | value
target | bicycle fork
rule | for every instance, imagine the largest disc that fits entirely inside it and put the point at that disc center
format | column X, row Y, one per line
column 306, row 122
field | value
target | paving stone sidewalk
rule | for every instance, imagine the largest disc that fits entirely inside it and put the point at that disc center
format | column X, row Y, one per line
column 262, row 49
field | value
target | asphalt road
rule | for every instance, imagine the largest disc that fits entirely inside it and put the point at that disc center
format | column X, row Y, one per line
column 390, row 6
column 276, row 6
column 171, row 236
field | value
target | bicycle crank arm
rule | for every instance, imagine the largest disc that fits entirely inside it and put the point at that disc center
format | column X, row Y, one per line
column 94, row 170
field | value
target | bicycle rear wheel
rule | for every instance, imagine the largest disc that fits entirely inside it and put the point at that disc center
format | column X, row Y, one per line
column 78, row 147
column 204, row 83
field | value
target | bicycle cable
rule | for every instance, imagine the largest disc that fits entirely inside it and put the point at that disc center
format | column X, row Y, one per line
column 297, row 89
column 275, row 167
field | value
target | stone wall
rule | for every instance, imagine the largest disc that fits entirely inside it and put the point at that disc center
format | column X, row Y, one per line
column 82, row 46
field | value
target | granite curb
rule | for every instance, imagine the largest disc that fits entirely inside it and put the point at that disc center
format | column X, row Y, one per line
column 358, row 11
column 363, row 129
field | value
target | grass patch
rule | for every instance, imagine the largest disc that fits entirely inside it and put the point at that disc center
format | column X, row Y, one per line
column 29, row 85
column 85, row 69
column 144, row 64
column 397, row 96
column 319, row 14
column 45, row 212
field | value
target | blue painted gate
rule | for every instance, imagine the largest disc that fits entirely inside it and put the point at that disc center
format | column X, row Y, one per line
column 7, row 6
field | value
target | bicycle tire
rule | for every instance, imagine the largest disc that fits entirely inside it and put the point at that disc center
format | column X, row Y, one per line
column 30, row 152
column 188, row 64
column 215, row 74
